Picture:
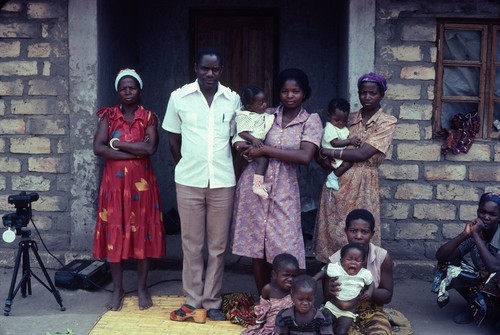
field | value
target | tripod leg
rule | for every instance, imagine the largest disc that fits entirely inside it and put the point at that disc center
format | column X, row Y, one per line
column 26, row 283
column 10, row 297
column 50, row 285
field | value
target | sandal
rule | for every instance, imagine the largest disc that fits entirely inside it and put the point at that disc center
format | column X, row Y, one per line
column 187, row 313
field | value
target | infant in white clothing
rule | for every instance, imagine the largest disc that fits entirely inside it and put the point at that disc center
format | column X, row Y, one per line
column 353, row 278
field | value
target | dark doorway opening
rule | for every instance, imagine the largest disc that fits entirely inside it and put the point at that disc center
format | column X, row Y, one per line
column 248, row 40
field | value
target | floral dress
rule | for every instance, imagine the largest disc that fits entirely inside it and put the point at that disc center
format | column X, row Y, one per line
column 359, row 186
column 266, row 312
column 129, row 220
column 265, row 228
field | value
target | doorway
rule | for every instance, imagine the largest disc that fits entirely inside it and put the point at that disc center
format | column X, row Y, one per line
column 248, row 40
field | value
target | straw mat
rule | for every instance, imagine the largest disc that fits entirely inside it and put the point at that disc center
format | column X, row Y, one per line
column 155, row 320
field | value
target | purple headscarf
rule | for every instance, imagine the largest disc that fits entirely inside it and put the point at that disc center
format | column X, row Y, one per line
column 490, row 196
column 373, row 78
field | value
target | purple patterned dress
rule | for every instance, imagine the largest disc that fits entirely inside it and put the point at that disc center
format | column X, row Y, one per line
column 265, row 228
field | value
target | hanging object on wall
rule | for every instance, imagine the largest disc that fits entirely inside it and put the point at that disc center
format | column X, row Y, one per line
column 462, row 132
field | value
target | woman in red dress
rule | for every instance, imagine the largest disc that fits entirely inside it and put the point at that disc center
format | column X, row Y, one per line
column 129, row 220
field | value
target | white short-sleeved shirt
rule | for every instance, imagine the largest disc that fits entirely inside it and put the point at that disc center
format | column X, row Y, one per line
column 330, row 132
column 351, row 284
column 206, row 159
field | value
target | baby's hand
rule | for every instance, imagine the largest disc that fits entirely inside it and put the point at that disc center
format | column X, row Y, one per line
column 356, row 141
column 257, row 143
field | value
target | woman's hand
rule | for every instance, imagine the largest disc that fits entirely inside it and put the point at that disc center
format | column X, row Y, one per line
column 365, row 295
column 477, row 227
column 355, row 141
column 257, row 143
column 468, row 229
column 253, row 152
column 324, row 161
column 333, row 287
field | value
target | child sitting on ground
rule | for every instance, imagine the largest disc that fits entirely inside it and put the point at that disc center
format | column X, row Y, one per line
column 252, row 125
column 335, row 136
column 275, row 296
column 303, row 317
column 352, row 278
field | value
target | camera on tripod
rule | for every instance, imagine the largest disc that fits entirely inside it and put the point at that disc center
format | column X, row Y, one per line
column 22, row 216
column 20, row 220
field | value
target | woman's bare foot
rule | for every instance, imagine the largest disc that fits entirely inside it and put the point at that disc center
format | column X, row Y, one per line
column 116, row 301
column 145, row 300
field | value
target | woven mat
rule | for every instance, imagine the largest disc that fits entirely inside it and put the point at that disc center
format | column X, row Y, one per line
column 155, row 320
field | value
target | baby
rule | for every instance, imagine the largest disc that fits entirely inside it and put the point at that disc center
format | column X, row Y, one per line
column 335, row 136
column 352, row 278
column 252, row 125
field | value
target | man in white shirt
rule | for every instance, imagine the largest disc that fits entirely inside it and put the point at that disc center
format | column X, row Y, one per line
column 200, row 122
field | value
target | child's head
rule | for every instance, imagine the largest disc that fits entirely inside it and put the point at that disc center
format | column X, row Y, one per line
column 253, row 99
column 352, row 258
column 338, row 112
column 303, row 293
column 285, row 268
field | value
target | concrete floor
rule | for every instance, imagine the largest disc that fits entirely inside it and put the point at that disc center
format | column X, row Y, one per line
column 40, row 313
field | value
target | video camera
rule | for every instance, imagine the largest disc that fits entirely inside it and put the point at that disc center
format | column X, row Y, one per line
column 22, row 216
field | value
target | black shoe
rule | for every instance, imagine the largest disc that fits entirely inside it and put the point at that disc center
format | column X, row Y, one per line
column 443, row 301
column 216, row 315
column 464, row 317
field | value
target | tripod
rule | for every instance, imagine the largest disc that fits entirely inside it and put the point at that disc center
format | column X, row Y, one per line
column 25, row 283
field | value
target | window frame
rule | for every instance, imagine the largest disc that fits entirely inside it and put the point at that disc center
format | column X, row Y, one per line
column 487, row 66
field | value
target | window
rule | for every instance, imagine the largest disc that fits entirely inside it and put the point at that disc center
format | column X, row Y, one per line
column 468, row 73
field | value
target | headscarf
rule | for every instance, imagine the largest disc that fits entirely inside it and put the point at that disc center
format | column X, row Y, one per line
column 130, row 73
column 490, row 196
column 373, row 78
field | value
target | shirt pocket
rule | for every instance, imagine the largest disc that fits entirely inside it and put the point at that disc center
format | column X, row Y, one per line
column 224, row 125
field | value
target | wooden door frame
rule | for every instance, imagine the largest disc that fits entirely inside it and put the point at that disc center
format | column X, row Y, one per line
column 216, row 12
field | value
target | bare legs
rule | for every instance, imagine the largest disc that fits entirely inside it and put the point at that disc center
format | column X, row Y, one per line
column 145, row 301
column 115, row 303
column 261, row 273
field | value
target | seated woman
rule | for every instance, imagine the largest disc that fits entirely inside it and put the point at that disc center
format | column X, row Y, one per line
column 359, row 228
column 478, row 282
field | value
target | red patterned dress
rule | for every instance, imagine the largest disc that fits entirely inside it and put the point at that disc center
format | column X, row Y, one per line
column 129, row 220
column 265, row 228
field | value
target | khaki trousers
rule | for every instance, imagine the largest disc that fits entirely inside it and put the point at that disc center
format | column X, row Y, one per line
column 205, row 215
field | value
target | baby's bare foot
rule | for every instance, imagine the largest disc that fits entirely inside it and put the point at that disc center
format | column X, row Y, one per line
column 116, row 301
column 145, row 300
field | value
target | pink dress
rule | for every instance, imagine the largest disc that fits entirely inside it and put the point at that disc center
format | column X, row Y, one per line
column 266, row 312
column 265, row 228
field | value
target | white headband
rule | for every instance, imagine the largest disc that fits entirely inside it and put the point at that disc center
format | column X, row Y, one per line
column 127, row 72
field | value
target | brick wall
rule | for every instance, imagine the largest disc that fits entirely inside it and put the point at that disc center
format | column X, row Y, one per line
column 34, row 115
column 427, row 197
